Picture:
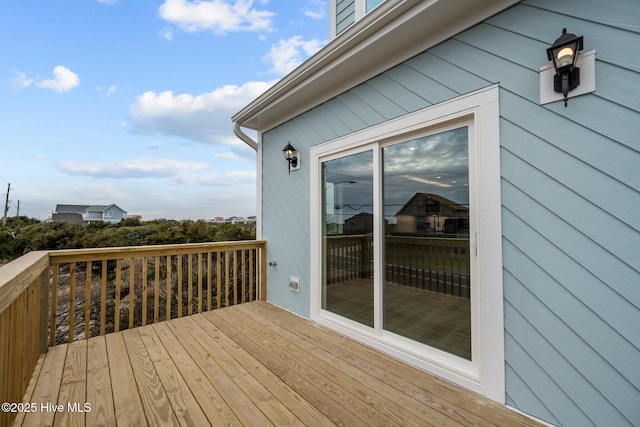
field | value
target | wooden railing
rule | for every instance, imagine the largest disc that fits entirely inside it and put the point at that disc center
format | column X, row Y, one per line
column 108, row 290
column 437, row 264
column 24, row 285
column 59, row 296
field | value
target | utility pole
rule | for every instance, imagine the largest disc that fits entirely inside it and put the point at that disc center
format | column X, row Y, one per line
column 6, row 206
column 18, row 211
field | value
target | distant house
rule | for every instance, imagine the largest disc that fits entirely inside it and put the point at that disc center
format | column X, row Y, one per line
column 86, row 214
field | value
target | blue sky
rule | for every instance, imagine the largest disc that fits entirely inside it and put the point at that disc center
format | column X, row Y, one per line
column 129, row 101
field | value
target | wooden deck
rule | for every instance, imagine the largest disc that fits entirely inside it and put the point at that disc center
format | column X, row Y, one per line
column 253, row 364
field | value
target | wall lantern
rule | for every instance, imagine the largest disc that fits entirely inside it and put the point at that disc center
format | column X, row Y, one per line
column 564, row 54
column 291, row 155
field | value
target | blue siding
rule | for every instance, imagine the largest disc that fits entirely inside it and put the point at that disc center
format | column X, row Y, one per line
column 345, row 14
column 570, row 191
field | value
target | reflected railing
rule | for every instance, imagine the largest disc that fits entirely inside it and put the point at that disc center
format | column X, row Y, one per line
column 436, row 264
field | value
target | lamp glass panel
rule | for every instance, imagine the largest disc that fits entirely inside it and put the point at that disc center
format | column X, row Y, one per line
column 564, row 56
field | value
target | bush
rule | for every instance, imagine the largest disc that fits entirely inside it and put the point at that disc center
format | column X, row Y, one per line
column 22, row 234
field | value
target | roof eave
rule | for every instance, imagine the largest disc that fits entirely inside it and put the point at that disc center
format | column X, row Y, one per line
column 394, row 32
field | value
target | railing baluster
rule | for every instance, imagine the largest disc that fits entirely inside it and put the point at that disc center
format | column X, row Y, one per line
column 132, row 293
column 116, row 320
column 54, row 306
column 179, row 291
column 244, row 279
column 199, row 307
column 103, row 298
column 156, row 290
column 251, row 273
column 87, row 300
column 168, row 298
column 218, row 282
column 72, row 298
column 227, row 261
column 236, row 274
column 190, row 284
column 144, row 290
column 209, row 274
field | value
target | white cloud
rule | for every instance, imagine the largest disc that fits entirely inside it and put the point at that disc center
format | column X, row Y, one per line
column 201, row 118
column 21, row 80
column 63, row 80
column 315, row 10
column 109, row 2
column 109, row 91
column 288, row 54
column 167, row 33
column 101, row 192
column 225, row 179
column 230, row 155
column 137, row 168
column 219, row 16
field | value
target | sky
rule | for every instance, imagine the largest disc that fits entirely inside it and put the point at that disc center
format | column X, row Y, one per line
column 129, row 101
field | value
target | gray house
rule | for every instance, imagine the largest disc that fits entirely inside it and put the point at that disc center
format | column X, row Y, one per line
column 86, row 214
column 460, row 99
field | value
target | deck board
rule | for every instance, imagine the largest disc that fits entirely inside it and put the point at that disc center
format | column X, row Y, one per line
column 251, row 364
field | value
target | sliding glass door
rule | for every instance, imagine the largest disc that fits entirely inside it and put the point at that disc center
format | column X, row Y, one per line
column 347, row 211
column 423, row 281
column 426, row 285
column 406, row 240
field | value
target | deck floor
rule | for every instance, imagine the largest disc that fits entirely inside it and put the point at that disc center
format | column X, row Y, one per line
column 253, row 364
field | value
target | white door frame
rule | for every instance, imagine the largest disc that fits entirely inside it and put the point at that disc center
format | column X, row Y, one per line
column 485, row 373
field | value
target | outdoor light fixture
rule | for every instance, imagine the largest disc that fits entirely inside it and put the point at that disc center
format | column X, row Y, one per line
column 564, row 54
column 291, row 155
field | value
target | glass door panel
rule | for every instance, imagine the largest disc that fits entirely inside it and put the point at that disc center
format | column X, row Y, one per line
column 347, row 218
column 426, row 288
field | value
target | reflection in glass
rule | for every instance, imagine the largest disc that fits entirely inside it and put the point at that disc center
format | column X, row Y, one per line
column 347, row 200
column 426, row 205
column 373, row 3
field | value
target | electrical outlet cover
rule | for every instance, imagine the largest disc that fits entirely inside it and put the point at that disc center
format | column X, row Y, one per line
column 294, row 284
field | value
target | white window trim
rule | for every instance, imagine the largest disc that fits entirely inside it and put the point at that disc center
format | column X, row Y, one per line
column 485, row 374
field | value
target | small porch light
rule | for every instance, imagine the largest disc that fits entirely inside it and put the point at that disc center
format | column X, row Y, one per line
column 564, row 54
column 291, row 155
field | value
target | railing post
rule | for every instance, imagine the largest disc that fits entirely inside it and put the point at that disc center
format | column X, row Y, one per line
column 262, row 295
column 43, row 343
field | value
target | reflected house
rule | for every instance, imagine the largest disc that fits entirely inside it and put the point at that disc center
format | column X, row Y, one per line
column 428, row 213
column 359, row 224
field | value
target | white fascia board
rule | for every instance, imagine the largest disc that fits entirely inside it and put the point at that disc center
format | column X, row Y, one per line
column 393, row 32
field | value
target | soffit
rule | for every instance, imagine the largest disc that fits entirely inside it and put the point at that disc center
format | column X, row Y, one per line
column 394, row 32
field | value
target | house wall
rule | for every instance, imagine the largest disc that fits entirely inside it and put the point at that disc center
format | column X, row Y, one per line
column 570, row 199
column 345, row 14
column 92, row 216
column 118, row 215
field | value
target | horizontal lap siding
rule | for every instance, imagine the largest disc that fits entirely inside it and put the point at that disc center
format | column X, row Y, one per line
column 345, row 14
column 570, row 191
